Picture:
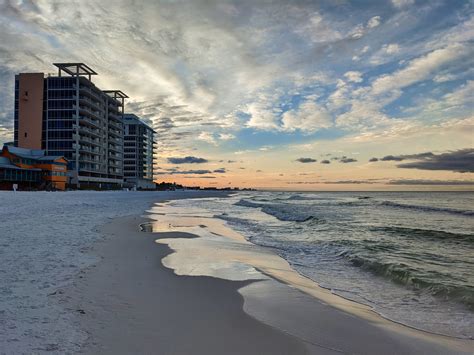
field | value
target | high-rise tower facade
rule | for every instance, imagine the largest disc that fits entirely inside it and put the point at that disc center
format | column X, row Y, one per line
column 139, row 147
column 67, row 115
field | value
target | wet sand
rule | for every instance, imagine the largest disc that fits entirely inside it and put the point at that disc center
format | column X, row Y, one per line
column 131, row 303
column 134, row 305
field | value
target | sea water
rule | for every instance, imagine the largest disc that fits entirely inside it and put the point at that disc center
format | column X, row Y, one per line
column 408, row 255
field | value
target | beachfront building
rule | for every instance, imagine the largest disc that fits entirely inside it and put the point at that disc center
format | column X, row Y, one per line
column 67, row 115
column 31, row 169
column 139, row 146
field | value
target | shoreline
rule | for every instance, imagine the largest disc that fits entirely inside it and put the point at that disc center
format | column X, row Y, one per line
column 275, row 304
column 277, row 269
column 120, row 319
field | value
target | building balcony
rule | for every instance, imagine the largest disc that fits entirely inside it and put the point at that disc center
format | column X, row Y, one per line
column 87, row 140
column 114, row 135
column 88, row 158
column 116, row 125
column 89, row 122
column 86, row 149
column 90, row 93
column 95, row 133
column 115, row 140
column 94, row 105
column 114, row 164
column 115, row 148
column 96, row 114
column 115, row 156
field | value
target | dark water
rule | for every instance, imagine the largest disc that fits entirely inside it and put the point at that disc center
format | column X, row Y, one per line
column 408, row 255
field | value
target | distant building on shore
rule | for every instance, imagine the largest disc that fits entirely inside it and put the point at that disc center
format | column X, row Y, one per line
column 139, row 149
column 67, row 115
column 31, row 169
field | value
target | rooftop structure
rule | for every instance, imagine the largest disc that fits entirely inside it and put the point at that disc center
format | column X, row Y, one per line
column 75, row 69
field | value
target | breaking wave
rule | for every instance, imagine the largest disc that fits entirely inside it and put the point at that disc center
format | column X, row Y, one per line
column 408, row 276
column 427, row 208
column 283, row 212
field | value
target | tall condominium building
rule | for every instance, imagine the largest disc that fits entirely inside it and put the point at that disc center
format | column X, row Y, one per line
column 139, row 147
column 67, row 115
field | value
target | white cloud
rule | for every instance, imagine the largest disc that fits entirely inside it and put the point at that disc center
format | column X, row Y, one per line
column 226, row 136
column 392, row 48
column 374, row 22
column 207, row 137
column 464, row 95
column 402, row 3
column 364, row 50
column 361, row 116
column 441, row 78
column 354, row 76
column 385, row 54
column 309, row 117
column 418, row 69
column 358, row 31
column 318, row 29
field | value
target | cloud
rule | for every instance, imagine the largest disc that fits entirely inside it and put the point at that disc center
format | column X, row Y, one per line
column 325, row 161
column 335, row 182
column 226, row 136
column 442, row 78
column 318, row 29
column 187, row 160
column 432, row 182
column 461, row 161
column 458, row 161
column 213, row 138
column 402, row 3
column 261, row 116
column 371, row 160
column 350, row 182
column 418, row 69
column 354, row 76
column 347, row 160
column 220, row 171
column 374, row 22
column 306, row 160
column 392, row 158
column 187, row 172
column 309, row 117
column 392, row 48
column 207, row 137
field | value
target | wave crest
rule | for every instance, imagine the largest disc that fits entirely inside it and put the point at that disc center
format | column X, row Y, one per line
column 428, row 208
column 283, row 212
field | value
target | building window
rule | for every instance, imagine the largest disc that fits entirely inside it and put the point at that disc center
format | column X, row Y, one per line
column 26, row 135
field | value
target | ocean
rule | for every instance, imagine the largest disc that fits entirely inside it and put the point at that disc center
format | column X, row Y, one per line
column 408, row 255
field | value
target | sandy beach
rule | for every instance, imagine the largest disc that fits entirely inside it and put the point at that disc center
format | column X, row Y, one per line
column 131, row 303
column 124, row 274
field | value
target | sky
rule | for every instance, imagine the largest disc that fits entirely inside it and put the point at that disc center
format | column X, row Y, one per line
column 292, row 95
